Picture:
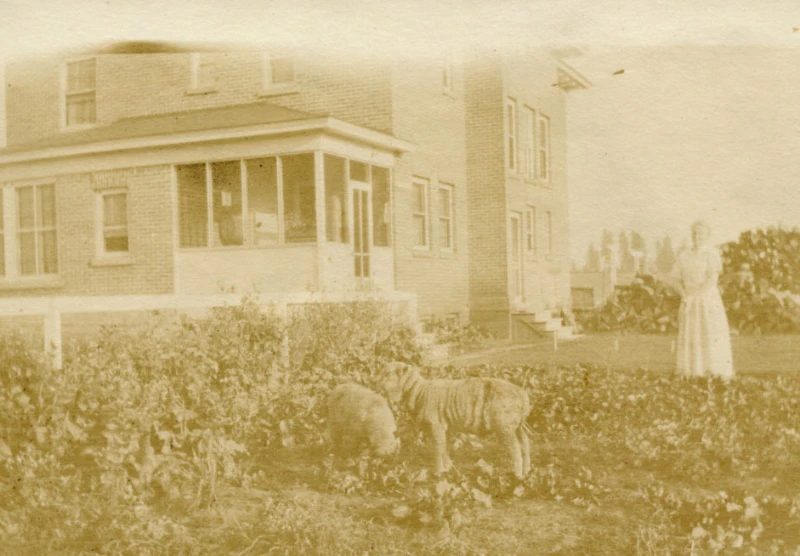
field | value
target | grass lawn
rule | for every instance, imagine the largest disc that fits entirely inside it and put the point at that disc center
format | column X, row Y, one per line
column 751, row 354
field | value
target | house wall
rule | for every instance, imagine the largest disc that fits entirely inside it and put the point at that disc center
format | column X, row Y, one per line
column 487, row 204
column 529, row 81
column 354, row 90
column 150, row 236
column 434, row 120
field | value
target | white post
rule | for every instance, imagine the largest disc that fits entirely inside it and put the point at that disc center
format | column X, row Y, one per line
column 283, row 313
column 52, row 335
column 321, row 215
column 555, row 340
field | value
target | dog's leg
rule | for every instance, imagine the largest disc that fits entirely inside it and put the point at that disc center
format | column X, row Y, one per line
column 509, row 440
column 525, row 446
column 439, row 437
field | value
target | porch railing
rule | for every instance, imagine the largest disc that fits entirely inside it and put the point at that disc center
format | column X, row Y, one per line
column 51, row 308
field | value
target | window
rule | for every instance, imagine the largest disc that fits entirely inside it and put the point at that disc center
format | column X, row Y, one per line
column 445, row 193
column 36, row 230
column 278, row 71
column 419, row 211
column 262, row 201
column 79, row 93
column 530, row 143
column 336, row 226
column 299, row 206
column 204, row 74
column 192, row 205
column 511, row 130
column 544, row 148
column 381, row 208
column 548, row 233
column 114, row 218
column 278, row 200
column 447, row 75
column 530, row 229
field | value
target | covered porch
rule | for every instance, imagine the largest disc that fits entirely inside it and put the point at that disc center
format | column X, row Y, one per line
column 304, row 208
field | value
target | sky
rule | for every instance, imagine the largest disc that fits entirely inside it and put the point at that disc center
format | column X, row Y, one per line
column 702, row 124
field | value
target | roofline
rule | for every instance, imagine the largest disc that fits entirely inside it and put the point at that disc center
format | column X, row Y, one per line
column 321, row 124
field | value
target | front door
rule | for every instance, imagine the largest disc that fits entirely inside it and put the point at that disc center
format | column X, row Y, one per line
column 362, row 229
column 515, row 244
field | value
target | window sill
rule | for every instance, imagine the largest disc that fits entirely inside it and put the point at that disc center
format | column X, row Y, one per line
column 32, row 283
column 77, row 127
column 447, row 254
column 200, row 91
column 277, row 90
column 112, row 260
column 422, row 253
column 239, row 248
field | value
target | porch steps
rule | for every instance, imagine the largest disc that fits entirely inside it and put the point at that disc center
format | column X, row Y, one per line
column 530, row 327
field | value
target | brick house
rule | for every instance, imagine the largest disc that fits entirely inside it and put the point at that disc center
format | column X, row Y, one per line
column 173, row 172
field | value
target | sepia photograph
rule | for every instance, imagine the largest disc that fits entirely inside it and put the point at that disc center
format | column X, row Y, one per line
column 378, row 278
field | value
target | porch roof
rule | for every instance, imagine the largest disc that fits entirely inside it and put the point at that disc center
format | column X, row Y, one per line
column 189, row 126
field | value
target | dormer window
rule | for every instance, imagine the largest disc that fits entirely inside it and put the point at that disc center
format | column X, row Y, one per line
column 203, row 74
column 279, row 74
column 80, row 93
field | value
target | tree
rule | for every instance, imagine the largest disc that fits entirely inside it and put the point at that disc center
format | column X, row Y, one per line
column 626, row 260
column 592, row 259
column 665, row 256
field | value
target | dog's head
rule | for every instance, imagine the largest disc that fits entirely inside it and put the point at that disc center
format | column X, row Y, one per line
column 398, row 379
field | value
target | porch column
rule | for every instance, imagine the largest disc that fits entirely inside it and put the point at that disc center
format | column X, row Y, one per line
column 320, row 211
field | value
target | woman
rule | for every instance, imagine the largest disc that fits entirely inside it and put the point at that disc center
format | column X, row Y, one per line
column 704, row 342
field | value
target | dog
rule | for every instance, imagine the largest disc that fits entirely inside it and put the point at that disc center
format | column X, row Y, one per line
column 360, row 420
column 472, row 405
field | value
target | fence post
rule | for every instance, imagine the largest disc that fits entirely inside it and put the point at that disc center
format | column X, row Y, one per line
column 52, row 335
column 283, row 312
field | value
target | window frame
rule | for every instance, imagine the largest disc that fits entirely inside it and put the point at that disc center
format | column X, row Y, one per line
column 195, row 87
column 543, row 172
column 268, row 86
column 531, row 237
column 36, row 230
column 531, row 123
column 450, row 218
column 512, row 135
column 100, row 228
column 66, row 93
column 425, row 214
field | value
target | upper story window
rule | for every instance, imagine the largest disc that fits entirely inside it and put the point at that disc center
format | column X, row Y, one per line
column 203, row 74
column 511, row 134
column 80, row 93
column 279, row 74
column 544, row 149
column 530, row 142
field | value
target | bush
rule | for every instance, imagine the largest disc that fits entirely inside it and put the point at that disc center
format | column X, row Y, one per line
column 156, row 417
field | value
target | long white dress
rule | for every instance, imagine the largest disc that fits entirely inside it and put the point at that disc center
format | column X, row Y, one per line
column 704, row 341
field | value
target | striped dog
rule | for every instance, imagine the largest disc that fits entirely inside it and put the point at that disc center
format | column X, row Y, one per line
column 471, row 405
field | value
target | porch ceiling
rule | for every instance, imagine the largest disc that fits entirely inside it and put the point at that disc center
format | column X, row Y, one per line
column 194, row 126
